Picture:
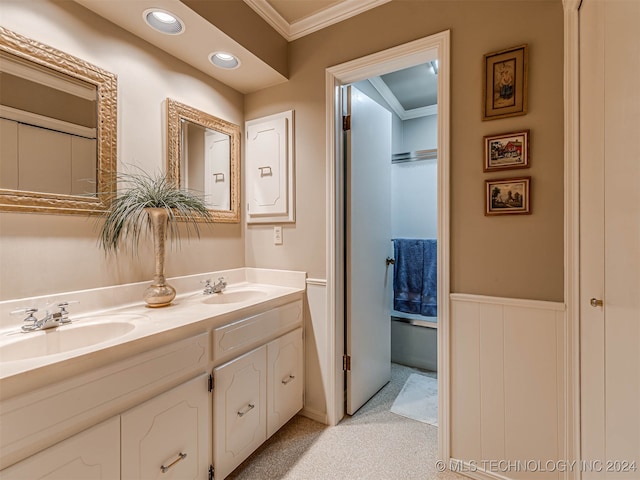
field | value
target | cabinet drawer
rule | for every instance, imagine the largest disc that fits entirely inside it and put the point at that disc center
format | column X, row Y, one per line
column 231, row 340
column 239, row 402
column 285, row 376
column 167, row 436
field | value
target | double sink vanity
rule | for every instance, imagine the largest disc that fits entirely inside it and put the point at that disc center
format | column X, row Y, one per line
column 187, row 391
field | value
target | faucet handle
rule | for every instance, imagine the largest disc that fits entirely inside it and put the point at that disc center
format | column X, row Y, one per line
column 29, row 311
column 208, row 288
column 64, row 313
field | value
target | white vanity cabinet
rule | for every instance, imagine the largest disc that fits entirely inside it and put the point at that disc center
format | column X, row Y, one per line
column 93, row 454
column 192, row 404
column 259, row 390
column 72, row 429
column 168, row 436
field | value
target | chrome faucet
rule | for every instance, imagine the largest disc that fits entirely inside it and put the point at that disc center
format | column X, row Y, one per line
column 218, row 287
column 50, row 320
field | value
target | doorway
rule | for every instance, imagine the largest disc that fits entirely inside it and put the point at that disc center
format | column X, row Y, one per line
column 398, row 58
column 391, row 230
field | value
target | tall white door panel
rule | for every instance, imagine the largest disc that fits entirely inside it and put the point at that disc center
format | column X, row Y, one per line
column 610, row 238
column 217, row 168
column 368, row 243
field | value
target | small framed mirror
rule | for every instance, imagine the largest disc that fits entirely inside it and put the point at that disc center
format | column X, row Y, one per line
column 58, row 130
column 203, row 156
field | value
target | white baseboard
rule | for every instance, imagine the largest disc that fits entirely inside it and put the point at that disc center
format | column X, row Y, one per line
column 315, row 415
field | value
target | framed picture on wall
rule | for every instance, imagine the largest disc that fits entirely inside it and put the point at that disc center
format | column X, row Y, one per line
column 506, row 151
column 508, row 196
column 505, row 83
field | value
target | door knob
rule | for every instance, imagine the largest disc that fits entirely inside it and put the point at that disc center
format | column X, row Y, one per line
column 596, row 302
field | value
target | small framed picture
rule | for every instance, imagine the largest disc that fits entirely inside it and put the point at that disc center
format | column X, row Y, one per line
column 506, row 151
column 508, row 196
column 505, row 83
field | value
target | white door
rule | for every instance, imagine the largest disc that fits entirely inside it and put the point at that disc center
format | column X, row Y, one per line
column 217, row 170
column 368, row 243
column 610, row 238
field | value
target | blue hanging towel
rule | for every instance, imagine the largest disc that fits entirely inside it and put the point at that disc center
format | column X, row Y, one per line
column 415, row 287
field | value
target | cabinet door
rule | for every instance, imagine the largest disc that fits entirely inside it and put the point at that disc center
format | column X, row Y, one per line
column 239, row 399
column 168, row 436
column 285, row 387
column 90, row 455
column 269, row 167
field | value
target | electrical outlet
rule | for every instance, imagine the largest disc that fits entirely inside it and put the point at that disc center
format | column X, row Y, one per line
column 277, row 235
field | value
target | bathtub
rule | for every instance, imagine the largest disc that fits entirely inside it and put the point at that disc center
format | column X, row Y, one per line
column 414, row 341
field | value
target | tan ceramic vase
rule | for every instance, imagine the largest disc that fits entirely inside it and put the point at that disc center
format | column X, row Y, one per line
column 160, row 293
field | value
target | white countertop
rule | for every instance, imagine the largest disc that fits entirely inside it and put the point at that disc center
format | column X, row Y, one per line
column 189, row 314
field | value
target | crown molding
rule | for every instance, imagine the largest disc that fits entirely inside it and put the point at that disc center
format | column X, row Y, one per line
column 393, row 102
column 312, row 23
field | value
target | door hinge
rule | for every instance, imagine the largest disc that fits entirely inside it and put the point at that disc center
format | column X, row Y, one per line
column 210, row 472
column 346, row 363
column 346, row 122
column 211, row 383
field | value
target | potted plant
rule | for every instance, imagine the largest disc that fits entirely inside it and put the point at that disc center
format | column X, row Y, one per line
column 151, row 203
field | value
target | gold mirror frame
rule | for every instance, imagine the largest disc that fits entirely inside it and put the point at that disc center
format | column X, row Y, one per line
column 106, row 84
column 176, row 113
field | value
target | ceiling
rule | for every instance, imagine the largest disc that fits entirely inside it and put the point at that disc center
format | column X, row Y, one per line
column 295, row 18
column 409, row 91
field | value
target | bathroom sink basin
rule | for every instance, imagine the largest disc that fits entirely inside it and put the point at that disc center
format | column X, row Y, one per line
column 235, row 296
column 62, row 339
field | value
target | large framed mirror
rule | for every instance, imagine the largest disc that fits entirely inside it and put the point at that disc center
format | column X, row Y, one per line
column 58, row 127
column 203, row 156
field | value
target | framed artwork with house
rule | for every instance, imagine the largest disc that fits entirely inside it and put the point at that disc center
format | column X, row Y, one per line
column 508, row 196
column 505, row 83
column 506, row 151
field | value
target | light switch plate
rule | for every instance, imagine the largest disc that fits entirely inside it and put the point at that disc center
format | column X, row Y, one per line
column 277, row 235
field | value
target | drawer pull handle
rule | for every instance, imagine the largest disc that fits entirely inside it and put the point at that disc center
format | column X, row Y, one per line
column 247, row 410
column 287, row 380
column 181, row 456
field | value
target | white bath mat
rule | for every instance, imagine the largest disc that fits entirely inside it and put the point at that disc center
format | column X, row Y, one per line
column 418, row 399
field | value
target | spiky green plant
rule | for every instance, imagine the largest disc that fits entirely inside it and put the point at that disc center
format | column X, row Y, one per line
column 127, row 219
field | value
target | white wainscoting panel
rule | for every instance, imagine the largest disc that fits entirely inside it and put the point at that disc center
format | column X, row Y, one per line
column 507, row 386
column 317, row 366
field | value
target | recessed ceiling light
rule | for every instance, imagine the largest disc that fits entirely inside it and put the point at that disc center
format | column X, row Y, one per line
column 163, row 21
column 224, row 60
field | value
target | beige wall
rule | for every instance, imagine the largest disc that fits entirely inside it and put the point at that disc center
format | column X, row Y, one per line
column 42, row 254
column 510, row 256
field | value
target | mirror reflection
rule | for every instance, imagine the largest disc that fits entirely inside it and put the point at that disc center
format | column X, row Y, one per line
column 57, row 130
column 204, row 157
column 48, row 115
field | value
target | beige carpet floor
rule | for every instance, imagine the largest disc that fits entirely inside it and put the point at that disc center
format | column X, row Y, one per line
column 373, row 444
